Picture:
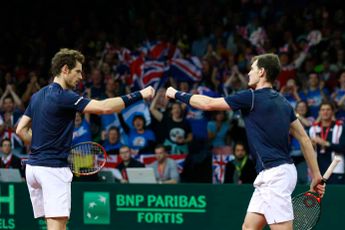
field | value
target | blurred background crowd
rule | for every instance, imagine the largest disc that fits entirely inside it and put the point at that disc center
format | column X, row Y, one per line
column 196, row 46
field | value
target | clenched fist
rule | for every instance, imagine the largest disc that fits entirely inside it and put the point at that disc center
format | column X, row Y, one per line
column 170, row 92
column 148, row 92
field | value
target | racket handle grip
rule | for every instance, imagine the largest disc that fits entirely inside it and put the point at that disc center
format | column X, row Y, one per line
column 323, row 181
column 330, row 169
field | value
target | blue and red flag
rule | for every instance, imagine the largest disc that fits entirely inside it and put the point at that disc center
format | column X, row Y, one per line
column 189, row 69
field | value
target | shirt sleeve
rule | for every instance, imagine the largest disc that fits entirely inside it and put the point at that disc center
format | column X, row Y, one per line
column 292, row 115
column 28, row 111
column 243, row 100
column 72, row 100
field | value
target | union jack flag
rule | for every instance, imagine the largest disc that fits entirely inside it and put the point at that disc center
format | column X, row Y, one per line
column 136, row 69
column 124, row 55
column 174, row 52
column 152, row 72
column 155, row 50
column 220, row 157
column 188, row 69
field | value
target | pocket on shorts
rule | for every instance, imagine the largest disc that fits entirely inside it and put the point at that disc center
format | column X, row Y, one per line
column 293, row 175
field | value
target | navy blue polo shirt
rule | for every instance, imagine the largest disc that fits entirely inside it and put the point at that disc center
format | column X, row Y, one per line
column 52, row 110
column 267, row 116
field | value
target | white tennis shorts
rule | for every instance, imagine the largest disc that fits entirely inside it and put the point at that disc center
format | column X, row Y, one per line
column 272, row 195
column 50, row 190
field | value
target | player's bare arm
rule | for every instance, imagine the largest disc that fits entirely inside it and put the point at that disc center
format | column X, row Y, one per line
column 24, row 129
column 202, row 102
column 115, row 105
column 297, row 130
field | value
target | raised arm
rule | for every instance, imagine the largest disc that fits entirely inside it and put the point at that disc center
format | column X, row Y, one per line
column 198, row 101
column 123, row 123
column 116, row 104
column 158, row 115
column 15, row 97
column 299, row 133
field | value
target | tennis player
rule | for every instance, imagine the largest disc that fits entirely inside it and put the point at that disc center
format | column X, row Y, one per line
column 268, row 118
column 50, row 115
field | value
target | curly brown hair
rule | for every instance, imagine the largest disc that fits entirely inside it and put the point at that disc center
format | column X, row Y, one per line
column 67, row 57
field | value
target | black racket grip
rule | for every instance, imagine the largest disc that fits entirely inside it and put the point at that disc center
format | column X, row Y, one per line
column 323, row 181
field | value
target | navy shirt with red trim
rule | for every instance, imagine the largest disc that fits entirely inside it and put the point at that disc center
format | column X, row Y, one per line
column 52, row 110
column 267, row 116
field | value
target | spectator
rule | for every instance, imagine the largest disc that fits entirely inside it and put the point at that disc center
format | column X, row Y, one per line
column 235, row 81
column 217, row 129
column 113, row 142
column 290, row 92
column 241, row 170
column 82, row 131
column 315, row 94
column 165, row 169
column 10, row 117
column 10, row 101
column 209, row 73
column 97, row 85
column 141, row 139
column 329, row 138
column 296, row 154
column 160, row 103
column 196, row 118
column 339, row 96
column 289, row 69
column 127, row 162
column 109, row 120
column 31, row 88
column 327, row 75
column 177, row 132
column 8, row 159
column 198, row 122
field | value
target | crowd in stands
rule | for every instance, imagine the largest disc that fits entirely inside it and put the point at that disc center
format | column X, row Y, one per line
column 199, row 48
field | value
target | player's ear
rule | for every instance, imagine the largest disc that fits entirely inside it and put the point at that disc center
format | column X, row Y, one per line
column 65, row 69
column 262, row 71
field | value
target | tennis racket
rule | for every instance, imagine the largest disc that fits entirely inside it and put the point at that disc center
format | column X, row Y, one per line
column 87, row 158
column 314, row 37
column 307, row 205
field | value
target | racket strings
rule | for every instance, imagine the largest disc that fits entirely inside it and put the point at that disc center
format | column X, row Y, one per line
column 306, row 211
column 86, row 158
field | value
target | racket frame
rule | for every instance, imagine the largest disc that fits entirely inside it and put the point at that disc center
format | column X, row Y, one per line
column 99, row 167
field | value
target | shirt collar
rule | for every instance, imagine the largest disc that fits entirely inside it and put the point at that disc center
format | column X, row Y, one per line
column 6, row 159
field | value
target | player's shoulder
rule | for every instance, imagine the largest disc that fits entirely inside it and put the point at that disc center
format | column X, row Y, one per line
column 46, row 89
column 245, row 91
column 36, row 94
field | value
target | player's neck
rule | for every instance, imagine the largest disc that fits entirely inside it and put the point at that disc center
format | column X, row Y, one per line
column 263, row 85
column 59, row 80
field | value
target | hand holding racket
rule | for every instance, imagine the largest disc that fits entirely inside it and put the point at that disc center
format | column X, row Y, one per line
column 87, row 158
column 307, row 205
